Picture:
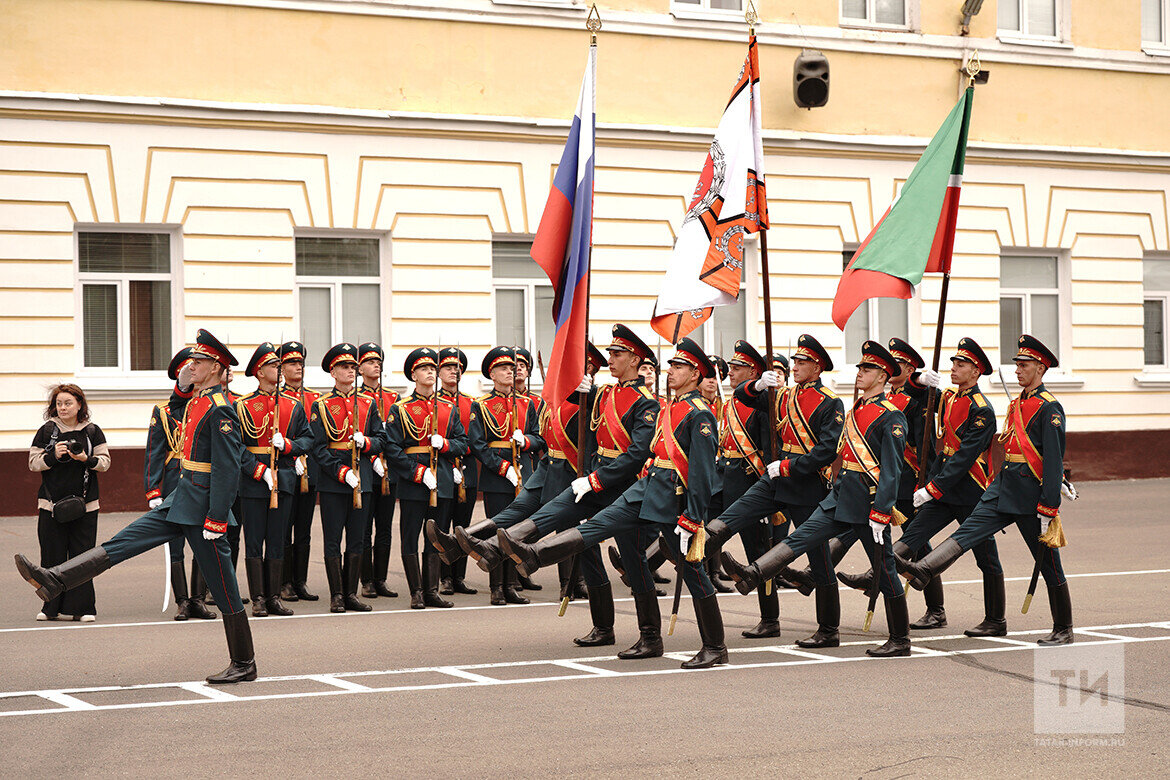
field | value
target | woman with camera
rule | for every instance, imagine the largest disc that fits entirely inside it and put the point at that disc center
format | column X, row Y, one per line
column 67, row 450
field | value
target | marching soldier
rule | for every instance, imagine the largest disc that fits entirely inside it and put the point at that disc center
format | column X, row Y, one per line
column 347, row 432
column 452, row 364
column 672, row 498
column 164, row 453
column 379, row 535
column 423, row 437
column 234, row 531
column 811, row 417
column 199, row 509
column 500, row 433
column 1026, row 491
column 304, row 497
column 275, row 432
column 532, row 457
column 863, row 494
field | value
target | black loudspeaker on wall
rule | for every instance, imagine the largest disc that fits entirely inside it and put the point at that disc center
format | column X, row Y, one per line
column 810, row 79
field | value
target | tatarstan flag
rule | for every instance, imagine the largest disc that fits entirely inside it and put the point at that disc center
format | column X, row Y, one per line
column 916, row 235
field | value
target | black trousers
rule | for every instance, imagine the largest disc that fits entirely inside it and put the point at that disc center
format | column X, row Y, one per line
column 337, row 517
column 413, row 515
column 59, row 543
column 300, row 522
column 380, row 523
column 265, row 530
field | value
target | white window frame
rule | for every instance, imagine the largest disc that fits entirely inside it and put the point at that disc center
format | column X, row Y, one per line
column 703, row 10
column 911, row 13
column 528, row 286
column 1061, row 375
column 121, row 381
column 314, row 375
column 1156, row 375
column 1063, row 26
column 1160, row 47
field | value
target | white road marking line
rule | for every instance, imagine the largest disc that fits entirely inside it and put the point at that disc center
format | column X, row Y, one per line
column 483, row 607
column 470, row 679
column 1100, row 634
column 1005, row 640
column 344, row 684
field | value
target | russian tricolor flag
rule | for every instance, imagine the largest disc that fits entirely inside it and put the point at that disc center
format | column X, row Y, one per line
column 563, row 243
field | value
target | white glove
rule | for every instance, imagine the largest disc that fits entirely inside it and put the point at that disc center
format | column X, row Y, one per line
column 359, row 439
column 930, row 378
column 210, row 536
column 581, row 488
column 774, row 469
column 684, row 538
column 1045, row 521
column 351, row 479
column 879, row 531
column 767, row 379
column 278, row 441
column 379, row 469
column 921, row 496
column 519, row 437
column 512, row 476
column 154, row 502
column 586, row 384
column 185, row 378
column 429, row 479
column 299, row 467
column 437, row 441
column 458, row 475
column 266, row 477
column 1069, row 492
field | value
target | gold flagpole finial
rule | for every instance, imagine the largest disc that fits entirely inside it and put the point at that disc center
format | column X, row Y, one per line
column 593, row 23
column 972, row 67
column 751, row 17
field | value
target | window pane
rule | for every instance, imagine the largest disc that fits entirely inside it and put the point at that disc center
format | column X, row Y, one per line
column 124, row 252
column 891, row 11
column 1011, row 326
column 510, row 260
column 1046, row 321
column 150, row 325
column 893, row 319
column 728, row 5
column 1027, row 273
column 544, row 328
column 99, row 307
column 1155, row 332
column 316, row 323
column 1008, row 17
column 1152, row 22
column 361, row 313
column 687, row 2
column 853, row 9
column 1041, row 17
column 1156, row 275
column 510, row 317
column 857, row 332
column 730, row 325
column 337, row 257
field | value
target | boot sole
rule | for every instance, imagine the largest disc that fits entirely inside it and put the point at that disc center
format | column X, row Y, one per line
column 42, row 592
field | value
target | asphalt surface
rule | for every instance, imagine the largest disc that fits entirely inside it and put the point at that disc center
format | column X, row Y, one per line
column 502, row 691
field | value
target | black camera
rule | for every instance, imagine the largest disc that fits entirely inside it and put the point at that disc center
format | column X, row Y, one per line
column 75, row 447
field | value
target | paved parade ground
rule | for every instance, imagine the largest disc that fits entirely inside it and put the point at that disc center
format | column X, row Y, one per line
column 502, row 691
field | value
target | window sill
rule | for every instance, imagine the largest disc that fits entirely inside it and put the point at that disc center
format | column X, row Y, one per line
column 133, row 386
column 571, row 5
column 1016, row 39
column 1156, row 49
column 861, row 24
column 1153, row 379
column 706, row 14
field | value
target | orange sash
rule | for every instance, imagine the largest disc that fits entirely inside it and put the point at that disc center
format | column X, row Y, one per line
column 859, row 448
column 613, row 420
column 1020, row 438
column 739, row 435
column 674, row 453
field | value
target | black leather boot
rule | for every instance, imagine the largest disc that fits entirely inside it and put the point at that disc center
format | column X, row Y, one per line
column 243, row 658
column 196, row 605
column 764, row 568
column 274, row 573
column 769, row 625
column 301, row 575
column 51, row 583
column 526, row 583
column 445, row 543
column 549, row 550
column 649, row 644
column 601, row 610
column 485, row 552
column 578, row 587
column 864, row 580
column 413, row 576
column 287, row 591
column 828, row 619
column 367, row 573
column 430, row 573
column 511, row 594
column 898, row 622
column 179, row 588
column 564, row 574
column 496, row 585
column 713, row 574
column 254, row 568
column 352, row 572
column 459, row 576
column 1060, row 602
column 717, row 535
column 714, row 650
column 935, row 616
column 994, row 607
column 381, row 571
column 615, row 560
column 333, row 575
column 933, row 563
